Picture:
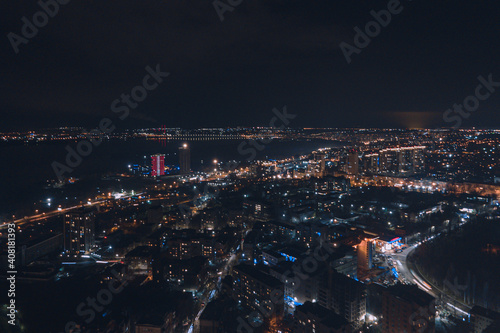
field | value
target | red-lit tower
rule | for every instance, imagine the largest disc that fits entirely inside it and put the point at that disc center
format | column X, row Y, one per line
column 157, row 165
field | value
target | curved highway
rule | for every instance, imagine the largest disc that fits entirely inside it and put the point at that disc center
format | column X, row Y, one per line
column 409, row 271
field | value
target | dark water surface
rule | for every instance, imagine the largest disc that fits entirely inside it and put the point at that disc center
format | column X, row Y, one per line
column 25, row 169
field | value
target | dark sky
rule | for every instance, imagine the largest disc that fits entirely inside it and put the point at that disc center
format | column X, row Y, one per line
column 265, row 54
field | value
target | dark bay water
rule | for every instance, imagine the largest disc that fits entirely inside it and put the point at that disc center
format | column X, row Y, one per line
column 25, row 169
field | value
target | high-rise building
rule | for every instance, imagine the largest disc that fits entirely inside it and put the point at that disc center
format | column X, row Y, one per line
column 365, row 256
column 418, row 160
column 319, row 170
column 406, row 308
column 184, row 159
column 352, row 165
column 371, row 163
column 402, row 161
column 157, row 165
column 345, row 296
column 389, row 161
column 79, row 234
column 258, row 291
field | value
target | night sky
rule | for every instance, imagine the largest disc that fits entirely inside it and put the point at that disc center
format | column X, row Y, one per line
column 265, row 54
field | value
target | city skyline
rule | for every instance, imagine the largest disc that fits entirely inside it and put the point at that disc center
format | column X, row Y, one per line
column 342, row 235
column 250, row 166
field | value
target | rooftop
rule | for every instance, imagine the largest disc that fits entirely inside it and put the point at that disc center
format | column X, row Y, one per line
column 484, row 312
column 327, row 317
column 258, row 275
column 411, row 293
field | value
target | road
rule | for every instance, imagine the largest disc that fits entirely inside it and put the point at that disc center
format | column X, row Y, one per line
column 44, row 216
column 59, row 211
column 409, row 271
column 211, row 294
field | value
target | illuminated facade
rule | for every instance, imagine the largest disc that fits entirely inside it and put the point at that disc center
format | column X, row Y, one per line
column 402, row 161
column 352, row 165
column 157, row 165
column 385, row 243
column 319, row 167
column 365, row 256
column 79, row 234
column 345, row 296
column 371, row 163
column 184, row 159
column 257, row 291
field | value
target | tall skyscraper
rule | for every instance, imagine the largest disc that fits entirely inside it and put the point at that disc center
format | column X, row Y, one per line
column 418, row 163
column 371, row 163
column 184, row 159
column 79, row 233
column 345, row 296
column 365, row 256
column 388, row 161
column 157, row 165
column 352, row 165
column 319, row 157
